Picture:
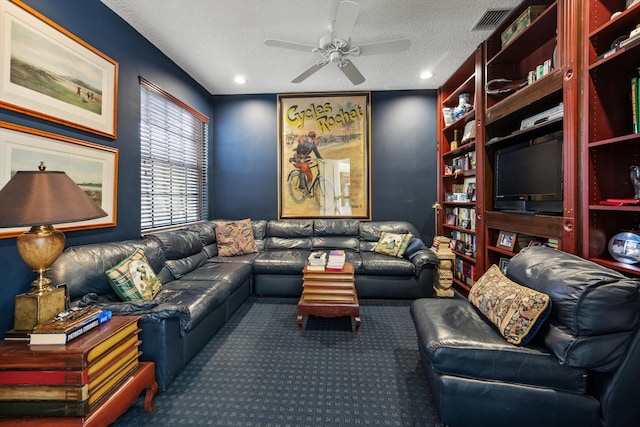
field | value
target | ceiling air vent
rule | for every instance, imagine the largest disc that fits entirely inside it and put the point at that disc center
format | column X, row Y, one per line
column 490, row 19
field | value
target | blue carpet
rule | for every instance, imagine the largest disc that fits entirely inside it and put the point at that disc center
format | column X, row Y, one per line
column 258, row 370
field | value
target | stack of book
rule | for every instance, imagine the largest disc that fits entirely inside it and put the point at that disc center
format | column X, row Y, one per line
column 317, row 261
column 69, row 325
column 336, row 259
column 69, row 380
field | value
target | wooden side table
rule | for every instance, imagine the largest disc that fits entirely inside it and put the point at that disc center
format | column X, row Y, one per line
column 329, row 293
column 105, row 360
column 106, row 413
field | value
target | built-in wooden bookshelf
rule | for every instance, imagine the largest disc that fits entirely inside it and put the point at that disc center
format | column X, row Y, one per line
column 610, row 145
column 459, row 217
column 552, row 38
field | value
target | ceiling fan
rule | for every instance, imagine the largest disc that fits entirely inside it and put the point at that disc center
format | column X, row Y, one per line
column 336, row 46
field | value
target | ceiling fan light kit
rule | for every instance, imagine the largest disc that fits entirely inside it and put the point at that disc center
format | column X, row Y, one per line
column 336, row 46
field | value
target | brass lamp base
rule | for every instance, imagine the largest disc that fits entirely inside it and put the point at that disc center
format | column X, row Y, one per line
column 34, row 308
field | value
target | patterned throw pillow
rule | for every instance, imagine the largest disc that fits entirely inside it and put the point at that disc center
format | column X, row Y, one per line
column 516, row 310
column 393, row 244
column 133, row 279
column 235, row 238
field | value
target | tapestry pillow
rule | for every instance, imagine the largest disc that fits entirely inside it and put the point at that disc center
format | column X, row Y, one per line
column 516, row 310
column 235, row 238
column 133, row 279
column 393, row 244
column 414, row 246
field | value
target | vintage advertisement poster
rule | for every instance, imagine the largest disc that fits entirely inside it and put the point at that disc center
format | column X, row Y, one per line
column 323, row 155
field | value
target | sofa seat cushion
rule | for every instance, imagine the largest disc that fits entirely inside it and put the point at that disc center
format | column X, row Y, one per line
column 235, row 273
column 198, row 298
column 595, row 309
column 281, row 261
column 455, row 339
column 374, row 263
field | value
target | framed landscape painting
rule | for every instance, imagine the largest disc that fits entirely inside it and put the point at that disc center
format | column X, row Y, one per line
column 93, row 167
column 324, row 155
column 47, row 72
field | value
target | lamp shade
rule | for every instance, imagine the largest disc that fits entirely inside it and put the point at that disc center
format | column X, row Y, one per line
column 44, row 198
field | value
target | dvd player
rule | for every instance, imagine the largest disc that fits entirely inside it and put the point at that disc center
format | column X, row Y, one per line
column 548, row 115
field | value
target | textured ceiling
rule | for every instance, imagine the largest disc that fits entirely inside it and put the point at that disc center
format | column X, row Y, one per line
column 215, row 40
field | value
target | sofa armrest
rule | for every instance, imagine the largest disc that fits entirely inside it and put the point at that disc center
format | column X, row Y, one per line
column 424, row 258
column 148, row 310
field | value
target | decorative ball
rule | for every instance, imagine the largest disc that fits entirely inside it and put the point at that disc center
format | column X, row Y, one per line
column 625, row 247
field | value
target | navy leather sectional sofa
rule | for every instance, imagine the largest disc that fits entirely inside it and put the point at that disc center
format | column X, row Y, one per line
column 201, row 290
column 582, row 368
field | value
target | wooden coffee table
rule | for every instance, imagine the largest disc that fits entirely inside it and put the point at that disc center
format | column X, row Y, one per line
column 329, row 293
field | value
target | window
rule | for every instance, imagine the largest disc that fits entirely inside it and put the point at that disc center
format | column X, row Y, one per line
column 173, row 148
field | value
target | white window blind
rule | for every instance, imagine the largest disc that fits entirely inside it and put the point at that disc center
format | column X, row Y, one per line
column 173, row 148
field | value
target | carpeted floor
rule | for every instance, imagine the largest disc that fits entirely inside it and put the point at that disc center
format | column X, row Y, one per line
column 258, row 370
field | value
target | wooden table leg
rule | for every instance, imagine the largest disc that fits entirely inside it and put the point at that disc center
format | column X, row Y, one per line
column 357, row 324
column 300, row 327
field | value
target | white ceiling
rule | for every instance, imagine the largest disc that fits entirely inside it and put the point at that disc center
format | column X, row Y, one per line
column 215, row 40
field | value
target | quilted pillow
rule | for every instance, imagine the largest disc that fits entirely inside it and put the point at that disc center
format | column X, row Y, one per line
column 393, row 244
column 516, row 310
column 133, row 279
column 235, row 238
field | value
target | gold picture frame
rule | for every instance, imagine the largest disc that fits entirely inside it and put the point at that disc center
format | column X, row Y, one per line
column 324, row 159
column 93, row 167
column 49, row 73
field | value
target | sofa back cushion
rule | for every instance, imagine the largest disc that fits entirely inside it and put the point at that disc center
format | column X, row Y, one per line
column 370, row 232
column 290, row 229
column 182, row 250
column 594, row 309
column 207, row 233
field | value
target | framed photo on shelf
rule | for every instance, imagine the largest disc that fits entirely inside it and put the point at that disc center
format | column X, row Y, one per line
column 506, row 240
column 504, row 263
column 470, row 188
column 93, row 167
column 49, row 73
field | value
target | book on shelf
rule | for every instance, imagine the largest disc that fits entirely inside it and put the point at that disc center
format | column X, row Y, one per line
column 59, row 332
column 635, row 104
column 80, row 353
column 60, row 408
column 311, row 267
column 44, row 392
column 17, row 335
column 60, row 376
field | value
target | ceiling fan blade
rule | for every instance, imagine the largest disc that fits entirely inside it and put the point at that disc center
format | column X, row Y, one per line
column 288, row 45
column 351, row 72
column 306, row 73
column 345, row 19
column 383, row 47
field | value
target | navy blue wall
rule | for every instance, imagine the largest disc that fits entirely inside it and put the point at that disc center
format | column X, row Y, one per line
column 94, row 23
column 403, row 157
column 243, row 149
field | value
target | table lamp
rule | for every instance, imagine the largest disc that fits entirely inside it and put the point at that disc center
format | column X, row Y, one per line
column 39, row 199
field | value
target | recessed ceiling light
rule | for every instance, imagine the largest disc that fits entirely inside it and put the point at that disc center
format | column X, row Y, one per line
column 240, row 80
column 426, row 75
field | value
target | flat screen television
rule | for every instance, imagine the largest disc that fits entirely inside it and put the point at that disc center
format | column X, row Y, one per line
column 528, row 176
